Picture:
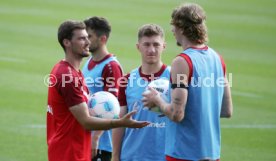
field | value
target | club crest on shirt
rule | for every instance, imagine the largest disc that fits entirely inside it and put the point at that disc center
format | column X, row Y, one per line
column 137, row 105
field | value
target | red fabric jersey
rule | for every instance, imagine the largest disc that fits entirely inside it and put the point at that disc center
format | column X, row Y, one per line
column 67, row 140
column 111, row 70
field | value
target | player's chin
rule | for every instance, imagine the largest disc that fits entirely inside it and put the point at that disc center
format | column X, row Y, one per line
column 85, row 53
column 151, row 61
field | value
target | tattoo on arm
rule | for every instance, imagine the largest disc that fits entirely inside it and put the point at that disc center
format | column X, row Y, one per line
column 177, row 101
column 175, row 109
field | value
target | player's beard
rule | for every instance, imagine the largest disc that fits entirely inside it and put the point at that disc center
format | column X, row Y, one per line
column 85, row 53
column 80, row 53
column 178, row 43
column 94, row 48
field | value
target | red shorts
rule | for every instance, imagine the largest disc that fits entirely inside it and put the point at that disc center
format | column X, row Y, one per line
column 168, row 158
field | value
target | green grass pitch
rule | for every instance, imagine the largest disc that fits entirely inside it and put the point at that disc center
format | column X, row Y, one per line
column 242, row 31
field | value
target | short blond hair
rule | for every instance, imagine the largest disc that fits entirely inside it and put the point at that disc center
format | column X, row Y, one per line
column 150, row 30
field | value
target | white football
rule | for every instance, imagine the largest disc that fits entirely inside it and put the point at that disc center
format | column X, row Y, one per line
column 104, row 105
column 162, row 86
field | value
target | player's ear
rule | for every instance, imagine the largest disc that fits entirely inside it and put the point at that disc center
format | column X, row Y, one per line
column 164, row 45
column 137, row 46
column 103, row 38
column 66, row 42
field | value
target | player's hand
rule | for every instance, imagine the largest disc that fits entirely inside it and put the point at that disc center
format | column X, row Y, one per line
column 95, row 144
column 127, row 121
column 150, row 97
column 115, row 159
column 96, row 135
column 94, row 153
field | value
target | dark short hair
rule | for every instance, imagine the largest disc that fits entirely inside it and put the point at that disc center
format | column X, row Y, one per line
column 66, row 29
column 99, row 25
column 150, row 30
column 191, row 18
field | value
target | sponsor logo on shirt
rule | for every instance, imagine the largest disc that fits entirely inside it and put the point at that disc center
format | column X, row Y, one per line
column 157, row 125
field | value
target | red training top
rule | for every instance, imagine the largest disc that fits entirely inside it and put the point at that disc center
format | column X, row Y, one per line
column 67, row 140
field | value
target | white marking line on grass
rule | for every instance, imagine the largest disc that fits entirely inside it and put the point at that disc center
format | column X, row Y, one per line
column 9, row 59
column 249, row 126
column 246, row 94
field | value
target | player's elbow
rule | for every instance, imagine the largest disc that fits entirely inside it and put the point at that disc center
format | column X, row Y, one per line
column 177, row 120
column 178, row 117
column 227, row 113
column 84, row 122
column 86, row 125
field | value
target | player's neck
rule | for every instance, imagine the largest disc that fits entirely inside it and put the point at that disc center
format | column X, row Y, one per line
column 74, row 61
column 148, row 69
column 188, row 44
column 100, row 54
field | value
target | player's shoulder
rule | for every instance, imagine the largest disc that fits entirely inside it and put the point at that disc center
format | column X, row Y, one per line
column 179, row 59
column 181, row 62
column 113, row 66
column 62, row 69
column 125, row 78
column 113, row 63
column 124, row 81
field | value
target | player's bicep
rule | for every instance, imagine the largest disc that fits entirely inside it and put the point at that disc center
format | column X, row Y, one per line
column 179, row 92
column 180, row 71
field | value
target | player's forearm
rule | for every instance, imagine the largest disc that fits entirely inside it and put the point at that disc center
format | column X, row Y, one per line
column 97, row 134
column 174, row 110
column 94, row 123
column 227, row 106
column 81, row 113
column 117, row 137
column 174, row 113
column 95, row 141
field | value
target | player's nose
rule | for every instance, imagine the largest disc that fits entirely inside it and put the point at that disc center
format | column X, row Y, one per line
column 151, row 49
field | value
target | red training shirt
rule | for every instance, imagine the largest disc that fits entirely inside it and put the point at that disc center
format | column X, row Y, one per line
column 67, row 140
